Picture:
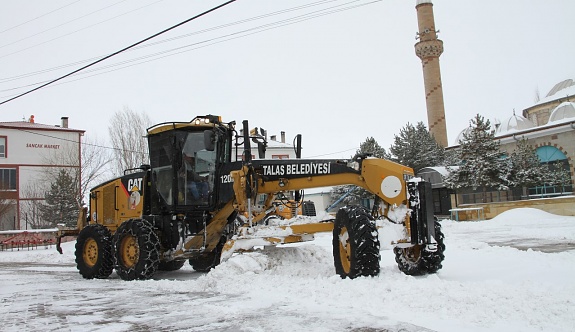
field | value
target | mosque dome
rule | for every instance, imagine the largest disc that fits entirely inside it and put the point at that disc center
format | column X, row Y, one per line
column 561, row 90
column 561, row 86
column 562, row 112
column 459, row 137
column 513, row 124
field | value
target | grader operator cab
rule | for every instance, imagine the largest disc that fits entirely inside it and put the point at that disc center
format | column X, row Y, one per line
column 194, row 203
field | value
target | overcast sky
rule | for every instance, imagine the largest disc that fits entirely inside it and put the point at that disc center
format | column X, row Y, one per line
column 337, row 78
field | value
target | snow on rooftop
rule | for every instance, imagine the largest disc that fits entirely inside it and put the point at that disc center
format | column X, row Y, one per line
column 33, row 125
column 512, row 124
column 278, row 144
column 565, row 111
column 442, row 170
column 560, row 90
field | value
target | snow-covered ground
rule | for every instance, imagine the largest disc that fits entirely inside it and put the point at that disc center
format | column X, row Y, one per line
column 491, row 281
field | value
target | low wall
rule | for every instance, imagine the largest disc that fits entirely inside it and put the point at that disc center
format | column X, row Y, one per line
column 20, row 239
column 563, row 206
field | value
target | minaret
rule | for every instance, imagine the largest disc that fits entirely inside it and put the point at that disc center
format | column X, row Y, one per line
column 428, row 49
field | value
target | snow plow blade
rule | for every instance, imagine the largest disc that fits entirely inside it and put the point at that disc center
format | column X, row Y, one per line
column 71, row 231
column 62, row 233
column 422, row 219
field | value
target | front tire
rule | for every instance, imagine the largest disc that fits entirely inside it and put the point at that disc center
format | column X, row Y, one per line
column 417, row 261
column 355, row 243
column 137, row 250
column 94, row 252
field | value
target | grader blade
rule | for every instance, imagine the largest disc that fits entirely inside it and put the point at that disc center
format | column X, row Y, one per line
column 422, row 220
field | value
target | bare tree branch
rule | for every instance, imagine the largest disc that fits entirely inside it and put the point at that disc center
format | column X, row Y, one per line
column 94, row 162
column 29, row 208
column 127, row 131
column 90, row 169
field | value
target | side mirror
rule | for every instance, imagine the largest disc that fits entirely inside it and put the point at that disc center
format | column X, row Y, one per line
column 209, row 140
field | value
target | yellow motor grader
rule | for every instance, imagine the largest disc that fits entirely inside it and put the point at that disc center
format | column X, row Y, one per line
column 195, row 203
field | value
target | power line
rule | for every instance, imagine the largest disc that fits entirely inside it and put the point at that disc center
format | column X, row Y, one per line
column 120, row 51
column 7, row 79
column 57, row 26
column 181, row 50
column 75, row 31
column 48, row 13
column 209, row 42
column 81, row 143
column 134, row 151
column 42, row 71
column 332, row 153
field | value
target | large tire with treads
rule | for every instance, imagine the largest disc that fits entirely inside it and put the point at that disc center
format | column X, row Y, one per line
column 94, row 252
column 137, row 250
column 355, row 243
column 416, row 261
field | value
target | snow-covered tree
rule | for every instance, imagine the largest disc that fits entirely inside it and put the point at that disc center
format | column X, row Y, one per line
column 482, row 165
column 354, row 194
column 370, row 146
column 88, row 171
column 415, row 147
column 525, row 169
column 62, row 201
column 557, row 175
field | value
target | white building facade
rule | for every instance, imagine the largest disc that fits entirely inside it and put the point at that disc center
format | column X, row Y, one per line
column 30, row 153
column 275, row 149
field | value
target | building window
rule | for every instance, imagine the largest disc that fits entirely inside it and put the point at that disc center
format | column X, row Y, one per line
column 280, row 156
column 7, row 179
column 559, row 164
column 2, row 146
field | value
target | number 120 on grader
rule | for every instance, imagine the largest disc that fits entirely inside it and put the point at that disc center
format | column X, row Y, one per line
column 196, row 202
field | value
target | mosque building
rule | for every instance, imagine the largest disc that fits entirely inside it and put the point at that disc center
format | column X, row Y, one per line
column 548, row 125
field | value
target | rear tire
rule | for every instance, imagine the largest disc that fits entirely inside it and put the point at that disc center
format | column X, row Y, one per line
column 415, row 261
column 355, row 243
column 94, row 252
column 137, row 250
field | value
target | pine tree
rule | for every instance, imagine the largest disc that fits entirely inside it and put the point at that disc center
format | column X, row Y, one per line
column 370, row 146
column 526, row 169
column 482, row 164
column 61, row 201
column 415, row 147
column 557, row 175
column 357, row 195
